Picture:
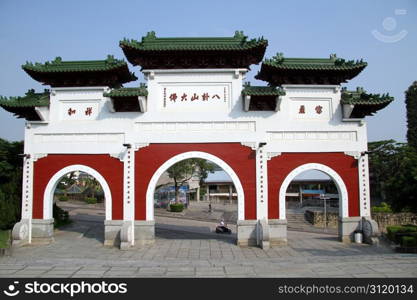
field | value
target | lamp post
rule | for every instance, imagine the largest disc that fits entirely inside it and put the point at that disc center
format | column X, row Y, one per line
column 324, row 198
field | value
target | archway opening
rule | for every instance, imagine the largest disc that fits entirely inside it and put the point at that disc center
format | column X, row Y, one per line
column 76, row 198
column 207, row 192
column 312, row 202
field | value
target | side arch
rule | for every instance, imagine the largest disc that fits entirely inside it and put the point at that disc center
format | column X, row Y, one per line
column 341, row 187
column 53, row 182
column 186, row 155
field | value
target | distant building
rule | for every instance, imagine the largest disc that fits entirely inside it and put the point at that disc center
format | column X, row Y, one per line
column 308, row 188
column 219, row 188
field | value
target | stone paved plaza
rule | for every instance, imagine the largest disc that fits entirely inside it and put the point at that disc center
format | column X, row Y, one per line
column 187, row 248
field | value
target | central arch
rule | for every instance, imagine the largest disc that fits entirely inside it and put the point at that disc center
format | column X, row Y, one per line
column 341, row 187
column 53, row 182
column 193, row 154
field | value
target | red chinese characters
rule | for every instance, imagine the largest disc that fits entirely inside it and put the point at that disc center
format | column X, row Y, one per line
column 71, row 111
column 88, row 111
column 173, row 97
column 184, row 97
column 194, row 97
column 319, row 109
column 302, row 109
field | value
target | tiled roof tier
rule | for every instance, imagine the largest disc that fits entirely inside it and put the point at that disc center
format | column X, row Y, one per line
column 127, row 92
column 262, row 98
column 57, row 73
column 280, row 70
column 190, row 52
column 24, row 107
column 365, row 104
column 126, row 99
column 249, row 90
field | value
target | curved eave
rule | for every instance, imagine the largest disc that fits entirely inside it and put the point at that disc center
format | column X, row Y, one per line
column 195, row 58
column 107, row 77
column 26, row 112
column 363, row 110
column 297, row 74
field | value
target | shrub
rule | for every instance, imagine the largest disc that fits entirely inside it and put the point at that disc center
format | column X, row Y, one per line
column 409, row 241
column 91, row 200
column 383, row 207
column 61, row 217
column 391, row 231
column 395, row 233
column 176, row 207
column 63, row 198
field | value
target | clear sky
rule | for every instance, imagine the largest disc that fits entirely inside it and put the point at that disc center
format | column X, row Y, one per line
column 383, row 33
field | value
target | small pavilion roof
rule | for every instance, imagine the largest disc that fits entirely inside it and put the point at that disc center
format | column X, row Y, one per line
column 281, row 70
column 24, row 107
column 365, row 104
column 59, row 73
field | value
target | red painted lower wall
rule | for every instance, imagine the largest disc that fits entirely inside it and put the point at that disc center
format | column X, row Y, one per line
column 240, row 158
column 110, row 168
column 280, row 166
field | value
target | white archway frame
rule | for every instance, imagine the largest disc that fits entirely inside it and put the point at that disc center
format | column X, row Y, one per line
column 48, row 195
column 341, row 187
column 193, row 154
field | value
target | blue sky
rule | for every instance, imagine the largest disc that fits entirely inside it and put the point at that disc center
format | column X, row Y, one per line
column 75, row 30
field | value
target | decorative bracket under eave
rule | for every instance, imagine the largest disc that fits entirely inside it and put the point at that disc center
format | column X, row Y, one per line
column 43, row 113
column 142, row 103
column 347, row 110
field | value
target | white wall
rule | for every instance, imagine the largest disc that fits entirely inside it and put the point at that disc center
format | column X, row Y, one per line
column 225, row 121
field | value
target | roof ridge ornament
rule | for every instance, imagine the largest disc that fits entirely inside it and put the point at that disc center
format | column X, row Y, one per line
column 279, row 57
column 56, row 61
column 150, row 35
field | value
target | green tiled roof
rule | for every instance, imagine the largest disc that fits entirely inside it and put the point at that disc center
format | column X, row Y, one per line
column 31, row 99
column 24, row 107
column 280, row 70
column 127, row 92
column 361, row 97
column 58, row 65
column 154, row 52
column 57, row 73
column 152, row 43
column 262, row 91
column 331, row 63
column 365, row 104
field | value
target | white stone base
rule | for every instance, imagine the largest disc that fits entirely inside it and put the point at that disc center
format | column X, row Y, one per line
column 346, row 228
column 144, row 233
column 246, row 233
column 277, row 232
column 42, row 231
column 112, row 232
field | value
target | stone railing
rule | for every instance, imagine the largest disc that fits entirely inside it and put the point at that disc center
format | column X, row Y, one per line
column 316, row 218
column 388, row 219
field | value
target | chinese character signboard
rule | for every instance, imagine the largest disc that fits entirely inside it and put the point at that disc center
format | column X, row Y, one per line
column 310, row 109
column 196, row 97
column 75, row 110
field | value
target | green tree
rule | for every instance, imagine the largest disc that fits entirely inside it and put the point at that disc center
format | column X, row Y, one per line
column 411, row 106
column 393, row 169
column 184, row 170
column 11, row 165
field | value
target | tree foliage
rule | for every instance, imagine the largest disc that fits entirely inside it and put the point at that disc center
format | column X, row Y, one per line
column 411, row 105
column 11, row 165
column 184, row 170
column 393, row 168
